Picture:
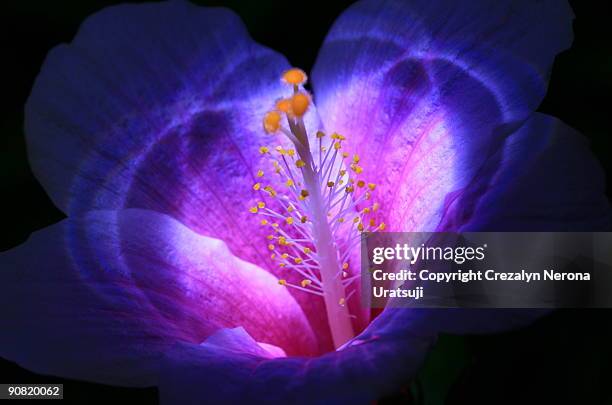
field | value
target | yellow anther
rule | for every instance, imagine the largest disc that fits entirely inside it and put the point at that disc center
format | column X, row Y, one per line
column 371, row 186
column 253, row 210
column 273, row 255
column 305, row 283
column 337, row 145
column 355, row 158
column 330, row 184
column 337, row 136
column 366, row 210
column 260, row 173
column 284, row 105
column 291, row 152
column 349, row 189
column 345, row 154
column 382, row 226
column 298, row 260
column 356, row 168
column 360, row 183
column 360, row 227
column 289, row 220
column 264, row 222
column 320, row 134
column 275, row 225
column 341, row 220
column 304, row 219
column 289, row 183
column 264, row 149
column 372, row 222
column 341, row 301
column 270, row 237
column 344, row 266
column 355, row 220
column 261, row 204
column 271, row 246
column 375, row 206
column 304, row 193
column 282, row 241
column 271, row 122
column 300, row 163
column 270, row 190
column 284, row 256
column 342, row 172
column 307, row 250
column 295, row 77
column 299, row 104
column 256, row 186
column 290, row 208
column 281, row 265
column 280, row 150
column 341, row 182
column 282, row 281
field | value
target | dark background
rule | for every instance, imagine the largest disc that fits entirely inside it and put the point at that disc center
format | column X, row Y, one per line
column 565, row 358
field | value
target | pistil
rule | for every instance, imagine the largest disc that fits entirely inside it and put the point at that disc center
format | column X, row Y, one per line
column 320, row 209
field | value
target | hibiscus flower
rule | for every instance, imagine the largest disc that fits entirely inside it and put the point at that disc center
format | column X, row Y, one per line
column 214, row 203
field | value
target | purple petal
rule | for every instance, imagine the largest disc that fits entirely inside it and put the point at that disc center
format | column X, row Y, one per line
column 426, row 90
column 102, row 297
column 385, row 356
column 160, row 106
column 237, row 339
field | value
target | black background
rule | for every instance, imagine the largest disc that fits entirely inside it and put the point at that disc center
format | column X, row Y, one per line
column 565, row 358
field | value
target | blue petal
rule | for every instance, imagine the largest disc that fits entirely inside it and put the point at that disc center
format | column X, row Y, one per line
column 508, row 45
column 543, row 178
column 425, row 91
column 378, row 362
column 102, row 297
column 157, row 106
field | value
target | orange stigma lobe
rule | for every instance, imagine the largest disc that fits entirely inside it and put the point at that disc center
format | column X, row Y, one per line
column 299, row 104
column 271, row 122
column 295, row 77
column 284, row 105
